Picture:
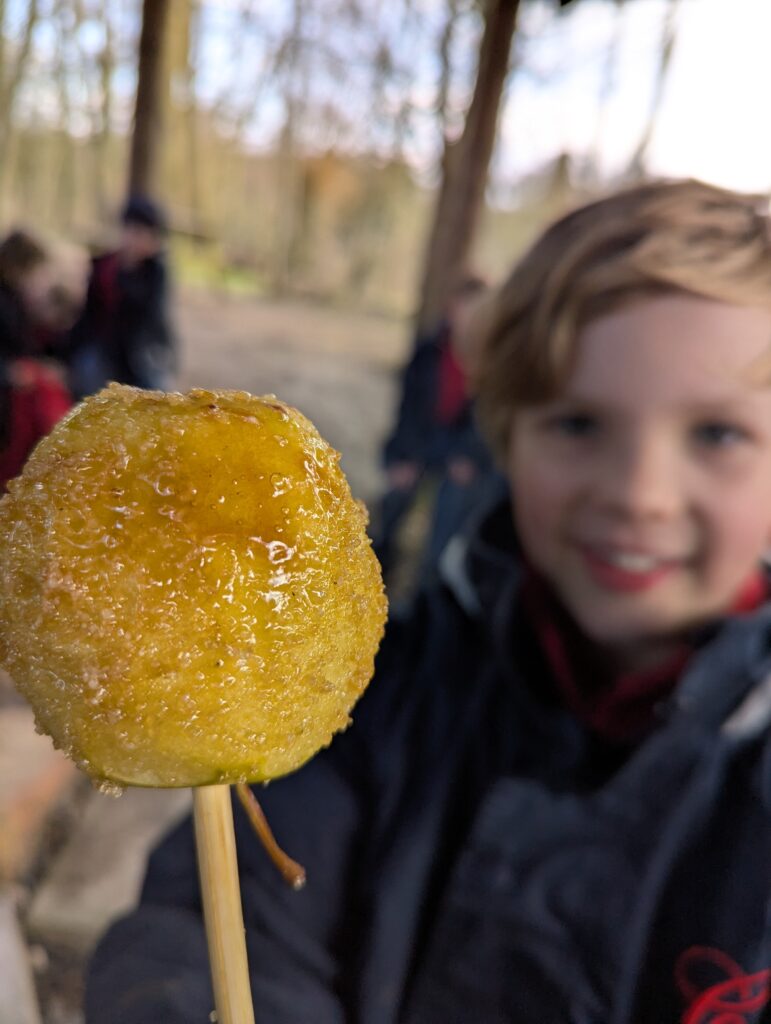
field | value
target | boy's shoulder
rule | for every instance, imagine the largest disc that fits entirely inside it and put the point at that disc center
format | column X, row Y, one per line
column 454, row 628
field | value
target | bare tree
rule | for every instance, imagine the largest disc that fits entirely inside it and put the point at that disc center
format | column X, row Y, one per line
column 668, row 36
column 149, row 101
column 608, row 79
column 191, row 113
column 70, row 19
column 103, row 129
column 180, row 160
column 445, row 63
column 13, row 67
column 288, row 194
column 465, row 167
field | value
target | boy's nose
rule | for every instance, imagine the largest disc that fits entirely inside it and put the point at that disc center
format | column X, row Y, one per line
column 643, row 479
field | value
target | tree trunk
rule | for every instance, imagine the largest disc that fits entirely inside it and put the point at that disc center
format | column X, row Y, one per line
column 445, row 63
column 12, row 75
column 191, row 118
column 607, row 89
column 103, row 128
column 287, row 163
column 465, row 166
column 149, row 101
column 62, row 198
column 668, row 35
column 3, row 70
column 179, row 170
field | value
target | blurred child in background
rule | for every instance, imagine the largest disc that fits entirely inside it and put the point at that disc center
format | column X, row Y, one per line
column 33, row 394
column 435, row 440
column 124, row 332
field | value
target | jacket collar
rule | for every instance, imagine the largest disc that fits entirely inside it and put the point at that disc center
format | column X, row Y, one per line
column 483, row 564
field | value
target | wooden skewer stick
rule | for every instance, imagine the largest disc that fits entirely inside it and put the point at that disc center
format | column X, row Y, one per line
column 218, row 872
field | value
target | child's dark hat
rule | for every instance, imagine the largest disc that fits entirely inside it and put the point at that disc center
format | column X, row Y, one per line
column 140, row 209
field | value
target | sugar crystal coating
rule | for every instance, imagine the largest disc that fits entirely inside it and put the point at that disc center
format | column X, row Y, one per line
column 187, row 592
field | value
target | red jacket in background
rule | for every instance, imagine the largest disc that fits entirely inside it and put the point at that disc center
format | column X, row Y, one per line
column 38, row 400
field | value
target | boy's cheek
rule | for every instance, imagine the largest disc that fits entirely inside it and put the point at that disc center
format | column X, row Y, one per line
column 538, row 498
column 546, row 489
column 538, row 529
column 744, row 520
column 534, row 473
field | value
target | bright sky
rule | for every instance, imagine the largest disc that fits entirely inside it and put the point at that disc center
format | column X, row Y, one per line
column 714, row 121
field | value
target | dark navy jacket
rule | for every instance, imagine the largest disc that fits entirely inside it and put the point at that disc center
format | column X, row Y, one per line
column 418, row 435
column 124, row 326
column 475, row 856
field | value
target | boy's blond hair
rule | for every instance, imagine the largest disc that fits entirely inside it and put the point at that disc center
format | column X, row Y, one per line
column 654, row 239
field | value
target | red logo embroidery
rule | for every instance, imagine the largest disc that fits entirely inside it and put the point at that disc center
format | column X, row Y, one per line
column 734, row 1000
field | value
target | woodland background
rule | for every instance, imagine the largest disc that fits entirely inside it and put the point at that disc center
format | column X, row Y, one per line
column 303, row 147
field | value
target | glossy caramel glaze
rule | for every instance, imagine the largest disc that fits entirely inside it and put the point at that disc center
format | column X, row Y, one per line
column 187, row 591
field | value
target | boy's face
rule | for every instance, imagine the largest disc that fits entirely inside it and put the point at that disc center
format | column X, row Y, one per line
column 139, row 242
column 34, row 287
column 463, row 312
column 643, row 492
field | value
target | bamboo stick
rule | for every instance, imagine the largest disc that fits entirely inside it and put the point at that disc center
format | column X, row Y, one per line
column 218, row 872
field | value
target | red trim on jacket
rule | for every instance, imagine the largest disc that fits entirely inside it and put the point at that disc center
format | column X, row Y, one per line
column 452, row 392
column 620, row 707
column 716, row 989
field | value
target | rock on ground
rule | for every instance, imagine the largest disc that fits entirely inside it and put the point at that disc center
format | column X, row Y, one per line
column 98, row 873
column 34, row 779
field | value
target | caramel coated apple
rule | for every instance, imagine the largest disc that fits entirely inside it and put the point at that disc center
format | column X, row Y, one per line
column 187, row 591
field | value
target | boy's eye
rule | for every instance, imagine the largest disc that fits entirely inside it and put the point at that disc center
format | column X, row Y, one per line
column 719, row 435
column 574, row 424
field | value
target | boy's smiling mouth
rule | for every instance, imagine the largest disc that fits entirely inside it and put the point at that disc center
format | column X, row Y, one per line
column 627, row 570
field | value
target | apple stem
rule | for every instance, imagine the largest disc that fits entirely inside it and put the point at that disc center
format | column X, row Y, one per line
column 291, row 871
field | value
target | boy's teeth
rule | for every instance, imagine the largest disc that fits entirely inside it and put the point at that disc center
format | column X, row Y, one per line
column 632, row 562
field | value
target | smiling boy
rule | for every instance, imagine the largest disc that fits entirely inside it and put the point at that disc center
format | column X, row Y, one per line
column 554, row 806
column 642, row 490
